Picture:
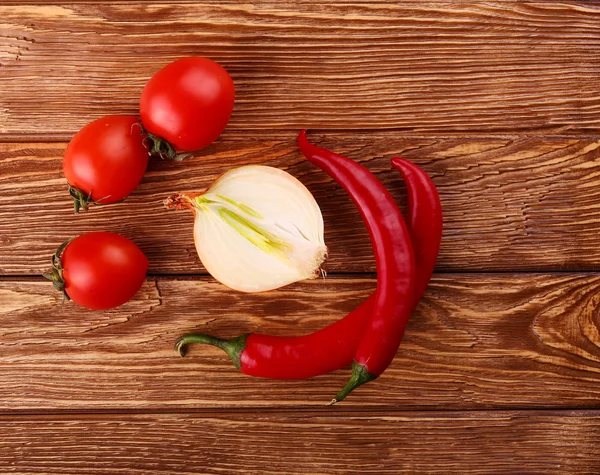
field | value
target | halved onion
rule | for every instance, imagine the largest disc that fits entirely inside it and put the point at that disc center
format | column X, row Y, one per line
column 256, row 228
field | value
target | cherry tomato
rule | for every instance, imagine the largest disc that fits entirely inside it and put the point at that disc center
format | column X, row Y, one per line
column 102, row 270
column 188, row 103
column 106, row 160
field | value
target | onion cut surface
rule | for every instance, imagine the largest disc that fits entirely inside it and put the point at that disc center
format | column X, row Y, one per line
column 257, row 228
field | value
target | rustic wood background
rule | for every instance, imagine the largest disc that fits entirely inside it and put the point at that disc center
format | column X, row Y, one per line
column 500, row 368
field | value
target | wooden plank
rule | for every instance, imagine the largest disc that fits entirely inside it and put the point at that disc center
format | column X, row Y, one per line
column 476, row 341
column 432, row 68
column 584, row 3
column 526, row 204
column 325, row 442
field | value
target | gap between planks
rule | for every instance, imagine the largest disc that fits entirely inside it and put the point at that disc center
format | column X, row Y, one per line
column 339, row 410
column 260, row 134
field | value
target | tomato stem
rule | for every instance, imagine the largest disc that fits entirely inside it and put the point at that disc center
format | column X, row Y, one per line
column 81, row 200
column 56, row 273
column 162, row 148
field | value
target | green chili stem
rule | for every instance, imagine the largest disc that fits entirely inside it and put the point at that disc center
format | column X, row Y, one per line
column 233, row 347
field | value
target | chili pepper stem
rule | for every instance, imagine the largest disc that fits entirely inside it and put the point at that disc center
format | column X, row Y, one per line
column 360, row 376
column 233, row 347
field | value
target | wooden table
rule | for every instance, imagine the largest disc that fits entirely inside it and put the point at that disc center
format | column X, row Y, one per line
column 499, row 372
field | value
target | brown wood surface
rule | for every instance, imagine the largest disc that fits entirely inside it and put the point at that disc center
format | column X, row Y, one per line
column 432, row 68
column 527, row 204
column 434, row 3
column 476, row 341
column 499, row 372
column 321, row 443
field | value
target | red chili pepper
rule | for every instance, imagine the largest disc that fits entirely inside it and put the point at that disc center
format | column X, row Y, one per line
column 424, row 221
column 333, row 347
column 300, row 357
column 394, row 261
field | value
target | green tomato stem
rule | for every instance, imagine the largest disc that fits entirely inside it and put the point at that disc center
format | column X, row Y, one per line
column 56, row 273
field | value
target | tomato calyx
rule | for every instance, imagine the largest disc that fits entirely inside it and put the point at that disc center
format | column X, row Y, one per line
column 56, row 274
column 81, row 199
column 164, row 149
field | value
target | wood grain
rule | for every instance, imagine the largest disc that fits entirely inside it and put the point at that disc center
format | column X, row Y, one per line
column 322, row 443
column 476, row 341
column 427, row 69
column 258, row 3
column 527, row 204
column 499, row 373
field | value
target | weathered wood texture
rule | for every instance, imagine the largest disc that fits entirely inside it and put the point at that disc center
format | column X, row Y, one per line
column 527, row 204
column 322, row 443
column 259, row 3
column 475, row 341
column 432, row 68
column 431, row 81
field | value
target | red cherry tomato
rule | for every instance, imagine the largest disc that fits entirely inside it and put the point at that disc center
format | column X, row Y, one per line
column 188, row 103
column 102, row 270
column 106, row 159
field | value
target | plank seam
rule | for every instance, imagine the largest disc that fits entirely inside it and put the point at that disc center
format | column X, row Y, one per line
column 315, row 410
column 384, row 133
